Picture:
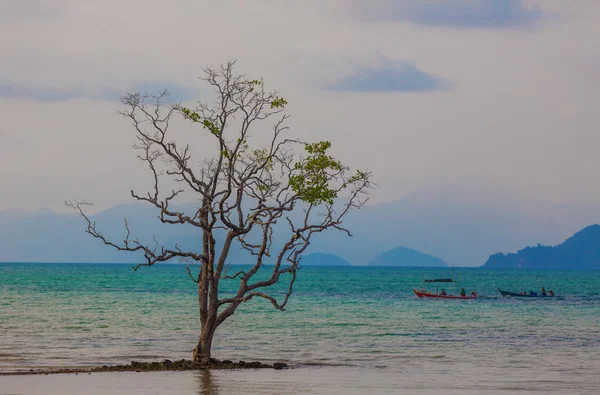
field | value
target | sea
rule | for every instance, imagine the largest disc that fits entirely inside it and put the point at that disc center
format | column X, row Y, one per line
column 346, row 330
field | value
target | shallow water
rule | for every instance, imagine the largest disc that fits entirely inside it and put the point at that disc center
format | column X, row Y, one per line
column 364, row 321
column 306, row 380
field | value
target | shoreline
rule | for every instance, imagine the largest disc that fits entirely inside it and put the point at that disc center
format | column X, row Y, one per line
column 473, row 380
column 166, row 365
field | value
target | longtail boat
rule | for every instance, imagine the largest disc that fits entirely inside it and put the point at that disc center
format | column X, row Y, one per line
column 521, row 295
column 425, row 294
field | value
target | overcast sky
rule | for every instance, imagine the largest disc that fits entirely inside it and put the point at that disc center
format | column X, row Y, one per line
column 492, row 93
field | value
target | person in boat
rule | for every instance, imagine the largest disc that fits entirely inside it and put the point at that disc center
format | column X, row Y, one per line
column 551, row 293
column 543, row 291
column 473, row 293
column 463, row 292
column 443, row 293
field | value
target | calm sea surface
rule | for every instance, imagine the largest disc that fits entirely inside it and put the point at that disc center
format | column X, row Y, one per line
column 361, row 327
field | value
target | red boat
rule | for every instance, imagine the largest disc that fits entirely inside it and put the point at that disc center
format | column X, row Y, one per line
column 425, row 294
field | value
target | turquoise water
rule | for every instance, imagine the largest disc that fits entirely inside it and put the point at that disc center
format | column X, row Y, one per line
column 342, row 318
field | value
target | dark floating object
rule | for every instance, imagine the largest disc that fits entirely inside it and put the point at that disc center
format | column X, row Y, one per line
column 440, row 280
column 529, row 295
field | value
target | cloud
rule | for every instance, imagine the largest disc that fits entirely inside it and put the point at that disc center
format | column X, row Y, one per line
column 27, row 9
column 390, row 76
column 457, row 13
column 536, row 79
column 177, row 92
column 42, row 94
column 56, row 94
column 8, row 138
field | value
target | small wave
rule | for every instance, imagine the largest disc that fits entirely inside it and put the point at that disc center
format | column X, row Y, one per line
column 327, row 364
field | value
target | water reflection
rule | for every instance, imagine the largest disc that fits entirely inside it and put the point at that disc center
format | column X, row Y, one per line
column 207, row 383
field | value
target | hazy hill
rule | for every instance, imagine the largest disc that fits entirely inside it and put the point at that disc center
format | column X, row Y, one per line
column 581, row 251
column 320, row 259
column 402, row 256
column 45, row 236
column 461, row 225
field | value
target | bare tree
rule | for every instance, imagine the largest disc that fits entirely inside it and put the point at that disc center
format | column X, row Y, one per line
column 242, row 192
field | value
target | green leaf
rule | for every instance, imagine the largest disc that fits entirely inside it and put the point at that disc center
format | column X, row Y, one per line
column 315, row 173
column 278, row 102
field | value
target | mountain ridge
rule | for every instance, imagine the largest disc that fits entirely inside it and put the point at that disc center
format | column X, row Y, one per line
column 402, row 256
column 463, row 226
column 579, row 252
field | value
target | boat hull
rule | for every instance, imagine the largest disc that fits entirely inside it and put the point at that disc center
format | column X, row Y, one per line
column 421, row 294
column 518, row 295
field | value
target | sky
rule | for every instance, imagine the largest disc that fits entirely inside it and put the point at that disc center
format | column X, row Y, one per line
column 489, row 93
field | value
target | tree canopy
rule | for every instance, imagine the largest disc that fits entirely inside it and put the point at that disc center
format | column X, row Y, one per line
column 243, row 191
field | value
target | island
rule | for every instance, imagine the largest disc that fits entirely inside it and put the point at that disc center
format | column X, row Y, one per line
column 321, row 259
column 579, row 252
column 403, row 256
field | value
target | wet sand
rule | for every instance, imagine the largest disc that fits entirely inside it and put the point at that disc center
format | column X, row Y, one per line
column 303, row 380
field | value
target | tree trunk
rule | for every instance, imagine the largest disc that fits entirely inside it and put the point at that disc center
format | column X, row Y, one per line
column 208, row 289
column 202, row 351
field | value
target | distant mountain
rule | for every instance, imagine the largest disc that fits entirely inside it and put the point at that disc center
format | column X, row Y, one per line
column 402, row 256
column 463, row 225
column 320, row 259
column 46, row 236
column 580, row 252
